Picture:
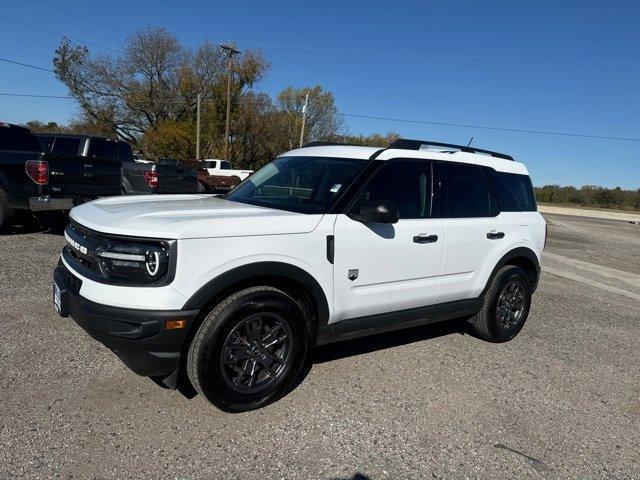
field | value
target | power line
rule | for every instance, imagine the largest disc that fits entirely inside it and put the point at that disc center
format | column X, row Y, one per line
column 485, row 127
column 53, row 32
column 32, row 95
column 26, row 65
column 86, row 19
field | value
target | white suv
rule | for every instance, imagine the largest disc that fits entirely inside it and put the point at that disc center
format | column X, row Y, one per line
column 326, row 243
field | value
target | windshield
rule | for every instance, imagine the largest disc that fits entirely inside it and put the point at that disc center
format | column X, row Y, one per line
column 298, row 184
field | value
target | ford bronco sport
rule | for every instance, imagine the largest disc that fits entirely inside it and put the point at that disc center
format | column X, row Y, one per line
column 325, row 243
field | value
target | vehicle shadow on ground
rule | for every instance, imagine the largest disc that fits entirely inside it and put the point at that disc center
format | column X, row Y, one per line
column 351, row 348
column 22, row 224
column 373, row 343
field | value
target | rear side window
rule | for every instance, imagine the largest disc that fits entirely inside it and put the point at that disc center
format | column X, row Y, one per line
column 46, row 142
column 514, row 192
column 20, row 139
column 462, row 191
column 66, row 146
column 102, row 148
column 406, row 183
column 124, row 152
column 224, row 165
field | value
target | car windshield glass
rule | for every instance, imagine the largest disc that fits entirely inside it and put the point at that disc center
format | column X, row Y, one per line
column 298, row 184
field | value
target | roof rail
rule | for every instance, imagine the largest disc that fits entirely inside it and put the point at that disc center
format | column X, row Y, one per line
column 405, row 144
column 332, row 144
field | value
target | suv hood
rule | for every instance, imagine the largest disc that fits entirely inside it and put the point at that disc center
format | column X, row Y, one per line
column 187, row 216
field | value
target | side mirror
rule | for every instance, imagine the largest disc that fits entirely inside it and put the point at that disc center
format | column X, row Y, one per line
column 381, row 211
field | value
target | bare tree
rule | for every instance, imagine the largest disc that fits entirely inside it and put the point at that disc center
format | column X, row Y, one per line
column 154, row 80
column 322, row 118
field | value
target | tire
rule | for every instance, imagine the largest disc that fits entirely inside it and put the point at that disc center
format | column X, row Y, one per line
column 506, row 306
column 200, row 188
column 6, row 212
column 233, row 370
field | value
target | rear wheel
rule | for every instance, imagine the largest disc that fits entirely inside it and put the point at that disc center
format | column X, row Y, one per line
column 506, row 305
column 6, row 212
column 249, row 349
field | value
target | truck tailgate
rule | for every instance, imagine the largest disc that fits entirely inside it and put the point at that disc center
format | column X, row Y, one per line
column 83, row 176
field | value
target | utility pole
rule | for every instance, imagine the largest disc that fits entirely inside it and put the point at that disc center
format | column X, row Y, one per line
column 229, row 50
column 198, row 128
column 304, row 118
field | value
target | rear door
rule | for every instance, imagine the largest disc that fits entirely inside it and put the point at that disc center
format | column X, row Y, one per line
column 381, row 268
column 476, row 233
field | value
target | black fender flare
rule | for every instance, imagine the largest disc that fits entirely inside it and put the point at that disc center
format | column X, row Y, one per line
column 519, row 252
column 261, row 269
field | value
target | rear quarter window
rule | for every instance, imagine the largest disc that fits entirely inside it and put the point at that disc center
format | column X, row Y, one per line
column 513, row 191
column 102, row 148
column 66, row 146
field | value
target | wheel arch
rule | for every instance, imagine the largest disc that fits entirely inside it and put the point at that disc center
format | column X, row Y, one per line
column 295, row 281
column 522, row 257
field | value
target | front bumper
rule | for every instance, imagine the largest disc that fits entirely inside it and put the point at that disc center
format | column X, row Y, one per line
column 45, row 202
column 138, row 337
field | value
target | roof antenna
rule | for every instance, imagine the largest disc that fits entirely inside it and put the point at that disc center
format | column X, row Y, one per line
column 470, row 141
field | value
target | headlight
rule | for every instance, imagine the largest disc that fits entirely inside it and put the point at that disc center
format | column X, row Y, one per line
column 136, row 262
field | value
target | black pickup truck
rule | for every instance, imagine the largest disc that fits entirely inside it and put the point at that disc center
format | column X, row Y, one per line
column 138, row 176
column 53, row 178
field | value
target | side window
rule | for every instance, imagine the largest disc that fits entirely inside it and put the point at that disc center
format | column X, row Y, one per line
column 66, row 146
column 462, row 191
column 404, row 182
column 224, row 165
column 102, row 148
column 124, row 152
column 46, row 142
column 514, row 192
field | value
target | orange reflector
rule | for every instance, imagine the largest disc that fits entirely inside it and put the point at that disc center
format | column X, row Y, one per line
column 175, row 324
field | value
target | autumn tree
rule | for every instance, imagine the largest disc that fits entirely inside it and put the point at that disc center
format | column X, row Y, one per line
column 152, row 84
column 322, row 118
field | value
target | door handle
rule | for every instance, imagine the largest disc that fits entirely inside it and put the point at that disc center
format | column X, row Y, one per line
column 493, row 235
column 424, row 238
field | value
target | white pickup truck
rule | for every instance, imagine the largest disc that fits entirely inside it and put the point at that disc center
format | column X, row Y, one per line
column 222, row 167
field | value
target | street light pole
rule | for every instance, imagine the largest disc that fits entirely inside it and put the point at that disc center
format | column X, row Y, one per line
column 304, row 118
column 230, row 50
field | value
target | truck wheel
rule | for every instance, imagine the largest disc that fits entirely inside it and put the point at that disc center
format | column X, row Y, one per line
column 249, row 349
column 6, row 212
column 506, row 306
column 200, row 188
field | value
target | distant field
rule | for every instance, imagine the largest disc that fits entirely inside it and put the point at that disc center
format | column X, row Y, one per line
column 608, row 213
column 580, row 207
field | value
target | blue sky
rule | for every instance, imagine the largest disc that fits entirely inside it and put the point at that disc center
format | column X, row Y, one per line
column 558, row 66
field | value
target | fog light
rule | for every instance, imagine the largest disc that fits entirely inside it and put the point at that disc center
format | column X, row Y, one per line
column 175, row 324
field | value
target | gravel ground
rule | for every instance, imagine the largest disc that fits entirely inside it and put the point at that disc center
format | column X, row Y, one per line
column 562, row 400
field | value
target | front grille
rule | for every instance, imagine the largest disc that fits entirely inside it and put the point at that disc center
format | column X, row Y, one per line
column 83, row 244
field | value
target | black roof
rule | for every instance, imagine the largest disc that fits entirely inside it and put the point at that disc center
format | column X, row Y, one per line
column 405, row 144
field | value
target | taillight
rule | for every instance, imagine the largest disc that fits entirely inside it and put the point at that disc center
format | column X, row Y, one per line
column 38, row 171
column 151, row 178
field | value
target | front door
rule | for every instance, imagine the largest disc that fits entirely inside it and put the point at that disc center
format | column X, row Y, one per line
column 381, row 268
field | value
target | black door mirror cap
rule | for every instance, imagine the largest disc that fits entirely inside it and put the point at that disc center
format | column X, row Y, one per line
column 382, row 211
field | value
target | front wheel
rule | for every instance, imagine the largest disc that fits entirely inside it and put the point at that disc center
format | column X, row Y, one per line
column 506, row 305
column 249, row 349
